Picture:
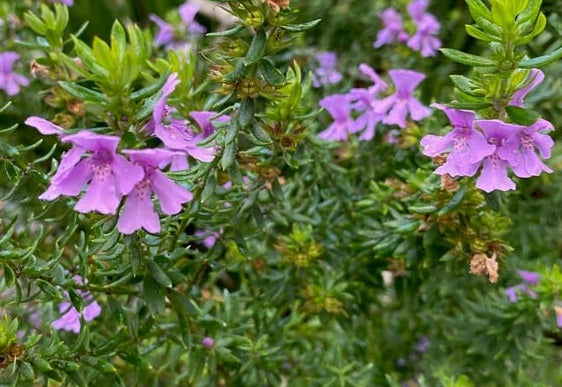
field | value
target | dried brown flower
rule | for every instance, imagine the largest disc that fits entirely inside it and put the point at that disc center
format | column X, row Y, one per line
column 482, row 265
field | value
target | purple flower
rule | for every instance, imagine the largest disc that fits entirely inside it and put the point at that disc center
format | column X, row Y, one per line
column 10, row 82
column 166, row 35
column 558, row 311
column 65, row 2
column 424, row 40
column 325, row 73
column 177, row 134
column 210, row 237
column 379, row 84
column 467, row 146
column 398, row 105
column 187, row 13
column 530, row 277
column 534, row 79
column 526, row 162
column 208, row 342
column 494, row 172
column 110, row 176
column 512, row 291
column 138, row 211
column 417, row 8
column 392, row 28
column 70, row 319
column 339, row 107
column 365, row 102
column 423, row 344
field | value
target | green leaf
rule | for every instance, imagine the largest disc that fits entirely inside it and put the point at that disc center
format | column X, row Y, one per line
column 152, row 88
column 522, row 116
column 153, row 295
column 118, row 41
column 260, row 133
column 469, row 105
column 246, row 113
column 467, row 59
column 494, row 200
column 479, row 34
column 210, row 186
column 82, row 92
column 9, row 276
column 238, row 72
column 464, row 84
column 530, row 13
column 257, row 47
column 35, row 23
column 542, row 61
column 230, row 32
column 232, row 131
column 455, row 201
column 538, row 28
column 301, row 27
column 76, row 300
column 49, row 289
column 271, row 74
column 228, row 155
column 158, row 274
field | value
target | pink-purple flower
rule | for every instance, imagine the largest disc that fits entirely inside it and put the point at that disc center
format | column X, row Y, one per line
column 530, row 278
column 208, row 342
column 167, row 35
column 68, row 3
column 339, row 107
column 427, row 27
column 467, row 146
column 402, row 103
column 535, row 78
column 10, row 81
column 515, row 148
column 138, row 211
column 326, row 73
column 177, row 134
column 107, row 175
column 70, row 317
column 393, row 30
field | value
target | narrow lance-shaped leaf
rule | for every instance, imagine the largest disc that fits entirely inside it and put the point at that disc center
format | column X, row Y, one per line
column 257, row 47
column 467, row 59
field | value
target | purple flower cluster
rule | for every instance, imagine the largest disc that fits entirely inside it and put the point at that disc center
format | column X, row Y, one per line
column 325, row 73
column 10, row 82
column 68, row 3
column 171, row 38
column 424, row 40
column 370, row 109
column 94, row 163
column 70, row 317
column 529, row 278
column 494, row 145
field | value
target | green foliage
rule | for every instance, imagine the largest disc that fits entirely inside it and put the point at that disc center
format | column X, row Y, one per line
column 333, row 263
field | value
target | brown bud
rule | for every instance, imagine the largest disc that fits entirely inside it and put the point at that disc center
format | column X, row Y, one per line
column 259, row 264
column 76, row 107
column 39, row 70
column 440, row 160
column 448, row 183
column 4, row 361
column 65, row 121
column 16, row 350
